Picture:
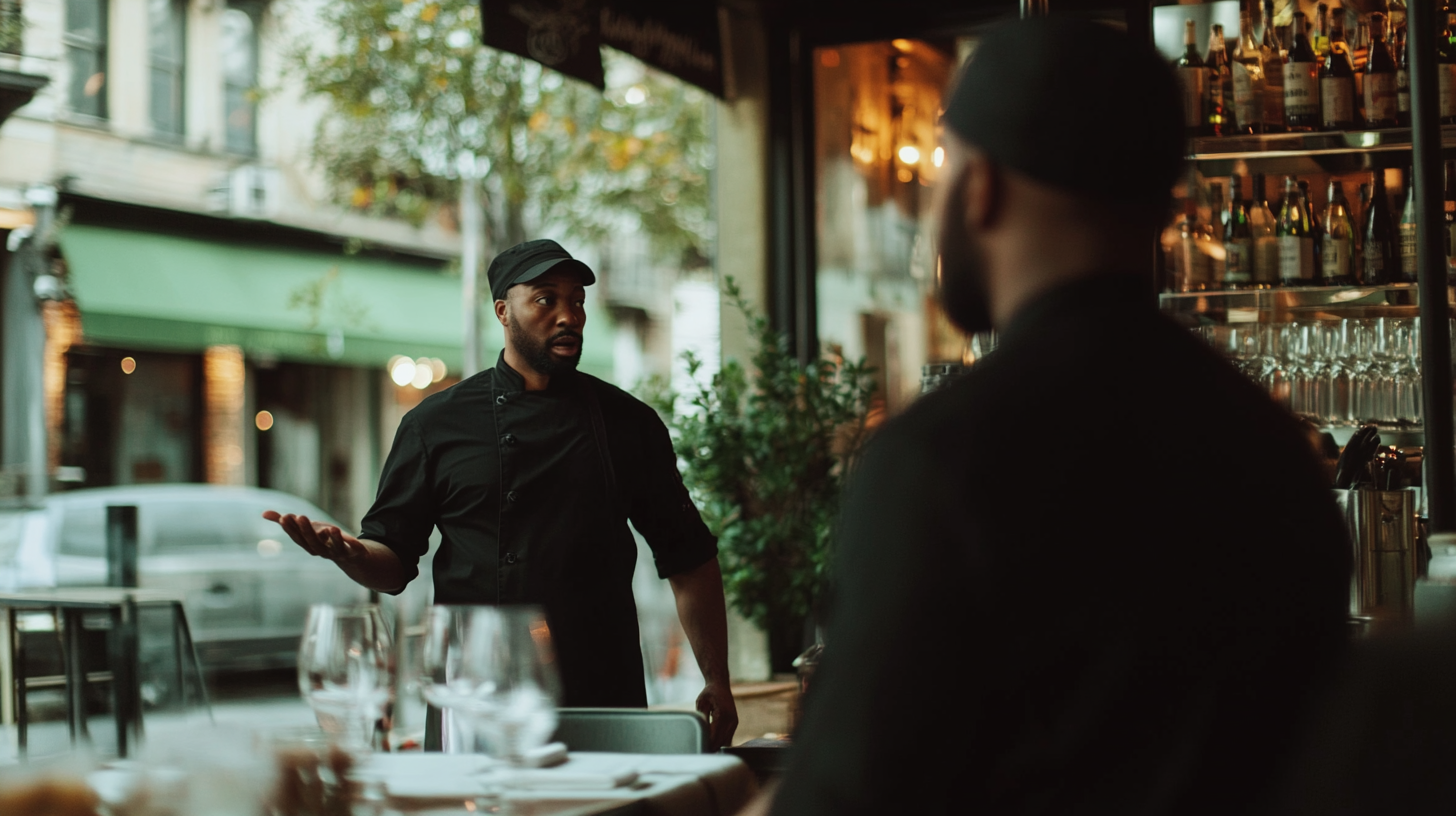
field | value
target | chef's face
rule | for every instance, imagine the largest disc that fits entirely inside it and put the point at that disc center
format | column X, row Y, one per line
column 544, row 319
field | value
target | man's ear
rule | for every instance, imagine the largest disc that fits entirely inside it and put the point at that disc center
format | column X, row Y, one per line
column 985, row 191
column 500, row 312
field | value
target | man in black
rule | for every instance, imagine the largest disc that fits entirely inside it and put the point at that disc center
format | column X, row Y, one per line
column 1099, row 574
column 531, row 471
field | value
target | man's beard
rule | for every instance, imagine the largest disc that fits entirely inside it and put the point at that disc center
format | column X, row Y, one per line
column 538, row 355
column 962, row 267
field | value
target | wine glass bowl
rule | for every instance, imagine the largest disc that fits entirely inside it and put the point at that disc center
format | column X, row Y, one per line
column 345, row 671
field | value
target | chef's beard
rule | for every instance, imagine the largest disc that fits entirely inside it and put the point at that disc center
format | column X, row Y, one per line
column 538, row 355
column 962, row 266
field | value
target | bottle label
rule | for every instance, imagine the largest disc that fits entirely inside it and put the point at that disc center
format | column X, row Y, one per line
column 1274, row 90
column 1335, row 259
column 1402, row 91
column 1408, row 250
column 1266, row 260
column 1445, row 73
column 1381, row 103
column 1301, row 90
column 1296, row 258
column 1238, row 261
column 1215, row 89
column 1195, row 90
column 1337, row 99
column 1374, row 262
column 1248, row 93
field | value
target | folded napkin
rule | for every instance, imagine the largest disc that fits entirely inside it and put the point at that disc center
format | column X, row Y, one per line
column 565, row 779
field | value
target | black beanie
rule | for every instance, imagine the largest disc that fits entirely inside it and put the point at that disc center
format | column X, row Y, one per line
column 1074, row 104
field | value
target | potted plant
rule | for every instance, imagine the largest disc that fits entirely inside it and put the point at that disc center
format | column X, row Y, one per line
column 765, row 452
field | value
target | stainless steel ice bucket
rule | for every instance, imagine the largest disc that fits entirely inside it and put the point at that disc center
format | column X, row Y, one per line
column 1384, row 551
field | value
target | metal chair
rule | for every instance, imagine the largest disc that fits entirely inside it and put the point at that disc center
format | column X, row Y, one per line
column 632, row 731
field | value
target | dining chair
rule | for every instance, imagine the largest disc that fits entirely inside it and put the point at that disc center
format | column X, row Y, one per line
column 632, row 731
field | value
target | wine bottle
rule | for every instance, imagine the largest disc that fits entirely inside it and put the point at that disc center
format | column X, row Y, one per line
column 1382, row 105
column 1377, row 238
column 1337, row 255
column 1446, row 70
column 1266, row 240
column 1248, row 79
column 1271, row 55
column 1402, row 79
column 1191, row 273
column 1408, row 267
column 1238, row 239
column 1301, row 82
column 1449, row 207
column 1316, row 228
column 1321, row 41
column 1218, row 121
column 1193, row 75
column 1337, row 81
column 1296, row 244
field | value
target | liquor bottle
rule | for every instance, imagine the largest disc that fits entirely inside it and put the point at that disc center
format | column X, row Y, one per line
column 1377, row 237
column 1337, row 81
column 1382, row 103
column 1238, row 239
column 1271, row 54
column 1446, row 70
column 1191, row 265
column 1301, row 82
column 1219, row 119
column 1402, row 79
column 1296, row 244
column 1316, row 228
column 1248, row 79
column 1321, row 41
column 1266, row 239
column 1449, row 207
column 1360, row 57
column 1337, row 255
column 1193, row 75
column 1408, row 268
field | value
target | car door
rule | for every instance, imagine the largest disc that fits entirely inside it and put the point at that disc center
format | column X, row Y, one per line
column 296, row 579
column 199, row 547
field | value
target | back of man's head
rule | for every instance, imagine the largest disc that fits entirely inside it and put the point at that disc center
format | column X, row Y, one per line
column 1078, row 106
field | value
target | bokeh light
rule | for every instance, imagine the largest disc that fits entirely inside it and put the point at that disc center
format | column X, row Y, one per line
column 128, row 365
column 264, row 420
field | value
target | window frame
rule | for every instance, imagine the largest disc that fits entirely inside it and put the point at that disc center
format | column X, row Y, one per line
column 100, row 48
column 174, row 66
column 253, row 9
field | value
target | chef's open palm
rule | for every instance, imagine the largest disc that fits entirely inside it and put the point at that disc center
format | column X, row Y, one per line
column 318, row 538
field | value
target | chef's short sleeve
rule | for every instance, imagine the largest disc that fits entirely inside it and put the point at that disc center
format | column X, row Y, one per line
column 403, row 513
column 661, row 509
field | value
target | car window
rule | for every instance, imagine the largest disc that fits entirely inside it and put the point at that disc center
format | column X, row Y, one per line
column 180, row 525
column 83, row 529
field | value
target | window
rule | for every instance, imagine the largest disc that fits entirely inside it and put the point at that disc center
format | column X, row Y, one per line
column 83, row 530
column 12, row 26
column 168, row 53
column 240, row 76
column 86, row 50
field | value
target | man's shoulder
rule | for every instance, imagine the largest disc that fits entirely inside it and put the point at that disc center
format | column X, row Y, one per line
column 617, row 403
column 453, row 401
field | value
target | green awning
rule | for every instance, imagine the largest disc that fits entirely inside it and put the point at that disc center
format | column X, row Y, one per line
column 150, row 290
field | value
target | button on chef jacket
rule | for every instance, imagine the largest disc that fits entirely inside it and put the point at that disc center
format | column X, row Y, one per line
column 532, row 508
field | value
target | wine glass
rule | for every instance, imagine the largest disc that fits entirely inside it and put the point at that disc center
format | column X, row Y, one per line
column 508, row 655
column 437, row 677
column 345, row 671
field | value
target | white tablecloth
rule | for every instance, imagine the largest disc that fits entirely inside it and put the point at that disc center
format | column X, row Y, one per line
column 670, row 785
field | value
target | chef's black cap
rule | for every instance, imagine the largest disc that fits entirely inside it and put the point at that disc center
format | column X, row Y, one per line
column 529, row 261
column 1076, row 105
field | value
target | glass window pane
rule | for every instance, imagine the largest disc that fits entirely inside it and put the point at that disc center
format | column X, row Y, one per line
column 87, row 90
column 83, row 530
column 238, row 48
column 166, row 102
column 86, row 18
column 168, row 24
column 241, row 116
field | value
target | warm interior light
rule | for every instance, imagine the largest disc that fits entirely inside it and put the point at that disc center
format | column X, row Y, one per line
column 938, row 157
column 636, row 95
column 424, row 374
column 910, row 154
column 902, row 45
column 128, row 365
column 438, row 369
column 402, row 371
column 264, row 420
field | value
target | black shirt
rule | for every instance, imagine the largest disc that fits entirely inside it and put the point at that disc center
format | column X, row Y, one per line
column 1100, row 573
column 530, row 511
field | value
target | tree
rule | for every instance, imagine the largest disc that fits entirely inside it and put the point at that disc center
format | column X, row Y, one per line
column 410, row 87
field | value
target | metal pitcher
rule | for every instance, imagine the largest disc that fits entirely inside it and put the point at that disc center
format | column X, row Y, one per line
column 1385, row 554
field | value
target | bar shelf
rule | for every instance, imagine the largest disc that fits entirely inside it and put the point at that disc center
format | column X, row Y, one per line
column 1309, row 153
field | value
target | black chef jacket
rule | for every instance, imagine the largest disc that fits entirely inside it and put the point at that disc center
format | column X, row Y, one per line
column 530, row 511
column 1099, row 574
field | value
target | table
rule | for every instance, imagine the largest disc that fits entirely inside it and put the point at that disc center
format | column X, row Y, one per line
column 68, row 606
column 667, row 785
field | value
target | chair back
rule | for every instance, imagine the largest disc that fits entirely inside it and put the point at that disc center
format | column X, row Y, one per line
column 632, row 731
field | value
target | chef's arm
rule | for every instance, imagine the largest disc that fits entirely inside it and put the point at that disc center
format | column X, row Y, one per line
column 369, row 563
column 704, row 615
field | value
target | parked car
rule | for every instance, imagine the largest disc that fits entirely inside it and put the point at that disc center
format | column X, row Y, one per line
column 247, row 588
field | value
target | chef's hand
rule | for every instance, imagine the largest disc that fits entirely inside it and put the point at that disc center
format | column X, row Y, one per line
column 716, row 703
column 318, row 538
